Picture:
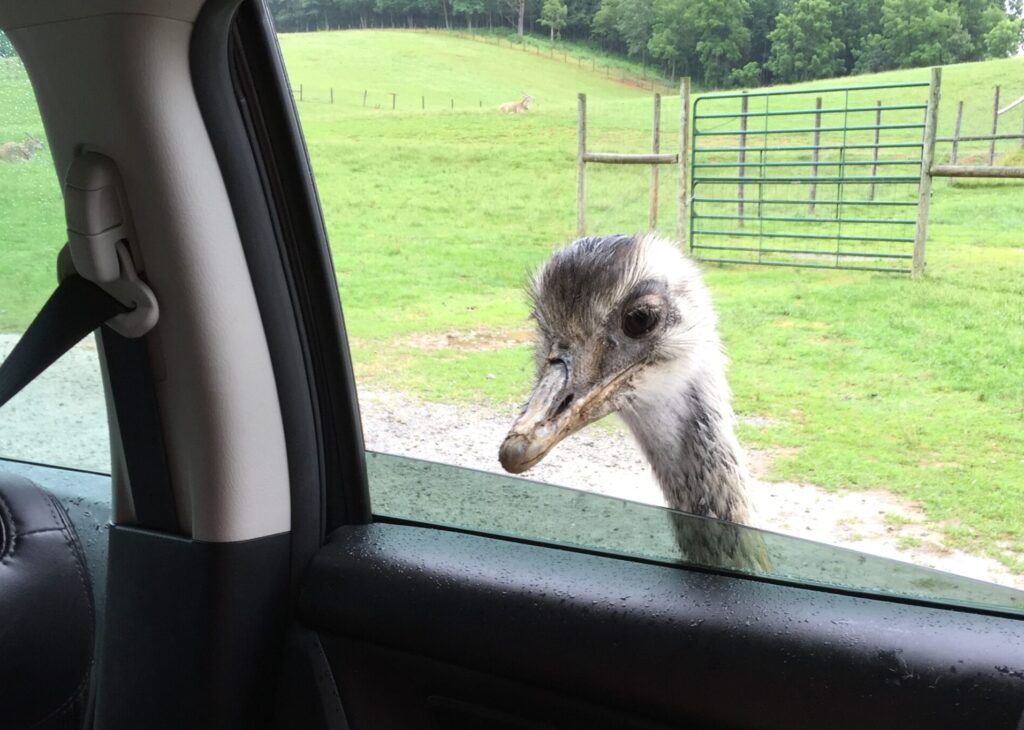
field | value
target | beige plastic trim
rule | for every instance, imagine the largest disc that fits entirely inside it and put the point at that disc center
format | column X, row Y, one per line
column 23, row 13
column 121, row 85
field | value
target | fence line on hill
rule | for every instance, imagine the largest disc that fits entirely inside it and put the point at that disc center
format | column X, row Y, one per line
column 616, row 73
column 992, row 138
column 368, row 99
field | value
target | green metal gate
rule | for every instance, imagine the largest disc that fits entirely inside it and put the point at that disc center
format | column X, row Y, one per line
column 819, row 177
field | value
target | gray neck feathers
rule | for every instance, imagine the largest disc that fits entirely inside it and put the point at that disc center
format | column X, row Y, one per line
column 688, row 439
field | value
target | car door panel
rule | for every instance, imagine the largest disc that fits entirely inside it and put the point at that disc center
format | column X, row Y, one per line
column 658, row 643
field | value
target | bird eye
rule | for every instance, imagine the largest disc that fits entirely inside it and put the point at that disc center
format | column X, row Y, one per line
column 639, row 321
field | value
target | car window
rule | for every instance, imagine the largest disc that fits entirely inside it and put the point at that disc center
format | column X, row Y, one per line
column 60, row 418
column 446, row 166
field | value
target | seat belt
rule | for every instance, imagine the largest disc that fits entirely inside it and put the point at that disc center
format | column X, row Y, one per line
column 100, row 289
column 73, row 311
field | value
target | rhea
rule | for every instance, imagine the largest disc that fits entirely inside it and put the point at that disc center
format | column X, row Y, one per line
column 625, row 325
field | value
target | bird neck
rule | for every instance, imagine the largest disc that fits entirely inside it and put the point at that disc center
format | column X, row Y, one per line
column 689, row 441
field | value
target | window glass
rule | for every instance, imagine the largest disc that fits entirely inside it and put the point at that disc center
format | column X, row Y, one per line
column 878, row 414
column 60, row 418
column 440, row 494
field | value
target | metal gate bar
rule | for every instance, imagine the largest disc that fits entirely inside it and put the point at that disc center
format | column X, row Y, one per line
column 797, row 130
column 801, row 217
column 809, row 236
column 769, row 201
column 797, row 250
column 805, row 148
column 796, row 112
column 847, row 163
column 788, row 219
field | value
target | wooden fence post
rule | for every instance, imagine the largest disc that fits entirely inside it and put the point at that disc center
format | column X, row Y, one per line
column 394, row 99
column 332, row 94
column 423, row 103
column 995, row 128
column 924, row 194
column 581, row 165
column 874, row 150
column 955, row 151
column 364, row 98
column 300, row 92
column 814, row 153
column 682, row 194
column 652, row 215
column 742, row 167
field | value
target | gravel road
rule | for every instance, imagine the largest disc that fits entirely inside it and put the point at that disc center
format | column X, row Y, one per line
column 61, row 419
column 606, row 461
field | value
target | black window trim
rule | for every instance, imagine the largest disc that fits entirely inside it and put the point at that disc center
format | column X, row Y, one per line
column 243, row 93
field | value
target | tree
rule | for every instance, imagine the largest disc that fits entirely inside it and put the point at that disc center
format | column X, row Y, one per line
column 760, row 22
column 747, row 77
column 703, row 37
column 915, row 33
column 1015, row 12
column 604, row 27
column 1003, row 37
column 673, row 38
column 853, row 22
column 553, row 15
column 580, row 17
column 468, row 8
column 520, row 8
column 625, row 24
column 722, row 40
column 978, row 17
column 804, row 45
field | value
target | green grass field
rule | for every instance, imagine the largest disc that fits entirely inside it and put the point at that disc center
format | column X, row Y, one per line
column 862, row 380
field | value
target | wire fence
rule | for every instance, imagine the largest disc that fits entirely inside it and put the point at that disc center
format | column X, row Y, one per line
column 647, row 79
column 386, row 100
column 990, row 148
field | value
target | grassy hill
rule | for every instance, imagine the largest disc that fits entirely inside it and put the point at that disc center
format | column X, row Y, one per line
column 859, row 380
column 437, row 66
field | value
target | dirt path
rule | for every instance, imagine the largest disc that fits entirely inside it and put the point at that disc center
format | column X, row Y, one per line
column 606, row 461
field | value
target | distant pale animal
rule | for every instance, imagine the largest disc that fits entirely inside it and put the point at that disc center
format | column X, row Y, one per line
column 514, row 107
column 20, row 151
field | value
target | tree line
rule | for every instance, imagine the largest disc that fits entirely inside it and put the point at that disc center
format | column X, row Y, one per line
column 719, row 43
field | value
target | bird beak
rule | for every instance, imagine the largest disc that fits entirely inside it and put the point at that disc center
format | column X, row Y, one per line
column 557, row 408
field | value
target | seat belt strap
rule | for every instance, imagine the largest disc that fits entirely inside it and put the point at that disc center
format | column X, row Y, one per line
column 138, row 421
column 74, row 310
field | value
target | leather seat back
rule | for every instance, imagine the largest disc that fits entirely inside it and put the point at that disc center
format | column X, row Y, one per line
column 47, row 618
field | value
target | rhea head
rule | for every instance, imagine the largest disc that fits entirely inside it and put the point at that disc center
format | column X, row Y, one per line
column 624, row 324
